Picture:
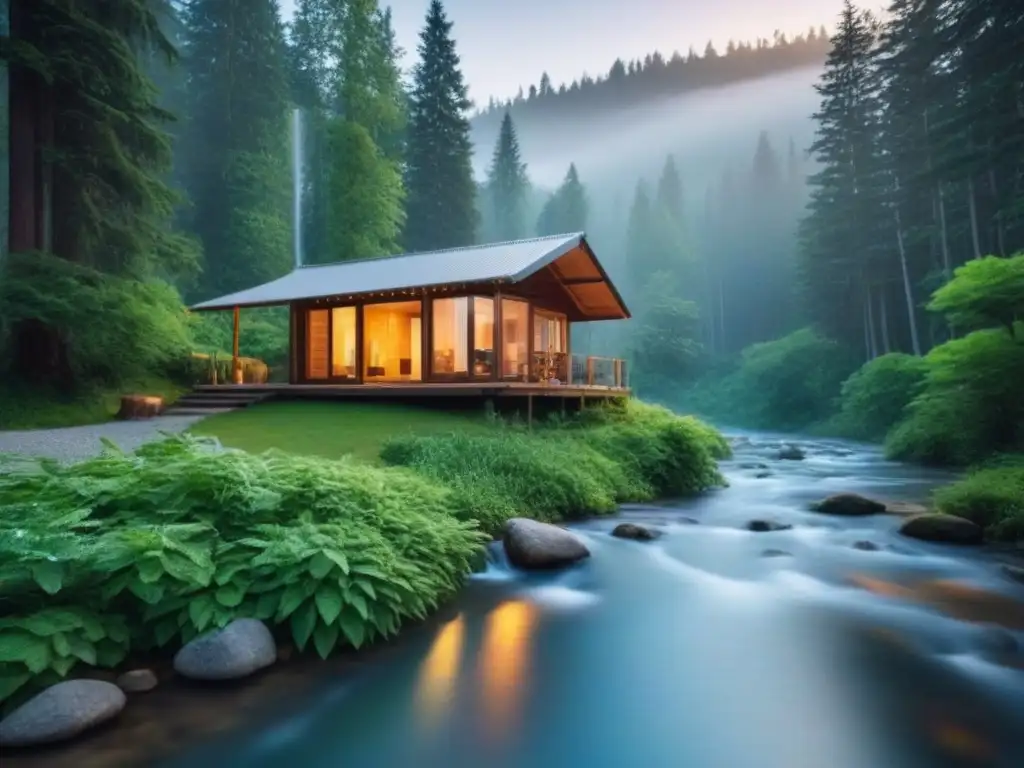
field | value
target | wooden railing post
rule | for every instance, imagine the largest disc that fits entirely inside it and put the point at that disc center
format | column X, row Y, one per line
column 590, row 370
column 618, row 372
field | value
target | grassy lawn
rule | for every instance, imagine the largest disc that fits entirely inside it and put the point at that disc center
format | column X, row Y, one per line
column 24, row 409
column 333, row 429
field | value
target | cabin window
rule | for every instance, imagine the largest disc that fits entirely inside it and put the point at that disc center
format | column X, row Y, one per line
column 450, row 332
column 343, row 343
column 392, row 341
column 515, row 329
column 548, row 332
column 483, row 336
column 317, row 349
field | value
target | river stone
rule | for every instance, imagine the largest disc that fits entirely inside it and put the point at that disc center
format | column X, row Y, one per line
column 946, row 529
column 242, row 647
column 776, row 553
column 60, row 712
column 848, row 505
column 764, row 526
column 137, row 681
column 634, row 531
column 791, row 453
column 533, row 545
column 866, row 546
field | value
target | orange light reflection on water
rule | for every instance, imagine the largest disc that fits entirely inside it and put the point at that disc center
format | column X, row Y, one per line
column 436, row 686
column 504, row 664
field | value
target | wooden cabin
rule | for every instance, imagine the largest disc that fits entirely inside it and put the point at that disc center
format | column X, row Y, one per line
column 485, row 318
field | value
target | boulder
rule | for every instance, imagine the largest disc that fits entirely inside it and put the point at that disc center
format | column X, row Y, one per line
column 791, row 453
column 242, row 647
column 753, row 465
column 60, row 712
column 776, row 553
column 137, row 681
column 946, row 529
column 866, row 546
column 634, row 531
column 764, row 526
column 848, row 505
column 762, row 475
column 533, row 545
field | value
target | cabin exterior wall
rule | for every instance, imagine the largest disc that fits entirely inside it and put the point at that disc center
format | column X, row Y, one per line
column 391, row 337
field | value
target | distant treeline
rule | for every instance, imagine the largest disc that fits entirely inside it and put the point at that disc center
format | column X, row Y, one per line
column 629, row 83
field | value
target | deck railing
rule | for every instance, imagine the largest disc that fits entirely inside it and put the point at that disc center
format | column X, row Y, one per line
column 598, row 371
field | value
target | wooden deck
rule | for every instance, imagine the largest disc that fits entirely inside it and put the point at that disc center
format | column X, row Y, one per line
column 483, row 389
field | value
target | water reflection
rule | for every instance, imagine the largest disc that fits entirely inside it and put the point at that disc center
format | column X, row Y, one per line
column 504, row 665
column 435, row 691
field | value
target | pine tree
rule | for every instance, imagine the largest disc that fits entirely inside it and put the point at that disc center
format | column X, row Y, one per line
column 440, row 207
column 507, row 184
column 237, row 141
column 567, row 209
column 670, row 191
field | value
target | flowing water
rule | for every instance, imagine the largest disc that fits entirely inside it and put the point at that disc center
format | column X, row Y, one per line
column 712, row 647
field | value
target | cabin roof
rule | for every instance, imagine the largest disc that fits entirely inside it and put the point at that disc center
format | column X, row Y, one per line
column 568, row 257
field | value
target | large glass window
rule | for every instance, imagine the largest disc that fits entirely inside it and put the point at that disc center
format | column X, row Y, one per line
column 343, row 342
column 316, row 344
column 483, row 336
column 515, row 327
column 392, row 341
column 548, row 332
column 450, row 335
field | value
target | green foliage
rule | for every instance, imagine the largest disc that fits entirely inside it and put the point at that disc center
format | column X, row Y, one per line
column 440, row 207
column 365, row 196
column 565, row 470
column 983, row 293
column 875, row 396
column 119, row 329
column 179, row 538
column 507, row 185
column 786, row 384
column 993, row 497
column 664, row 346
column 970, row 405
column 262, row 334
column 567, row 209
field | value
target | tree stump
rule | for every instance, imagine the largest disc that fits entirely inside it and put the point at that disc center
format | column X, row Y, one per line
column 140, row 406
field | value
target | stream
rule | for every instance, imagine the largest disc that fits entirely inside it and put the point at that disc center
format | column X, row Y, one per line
column 697, row 650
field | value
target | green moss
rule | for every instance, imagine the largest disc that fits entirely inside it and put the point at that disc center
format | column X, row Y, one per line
column 993, row 497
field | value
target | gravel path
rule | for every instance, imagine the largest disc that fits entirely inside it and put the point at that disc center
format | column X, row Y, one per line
column 76, row 443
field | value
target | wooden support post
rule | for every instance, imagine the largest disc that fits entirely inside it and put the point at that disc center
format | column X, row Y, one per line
column 236, row 366
column 590, row 370
column 618, row 372
column 529, row 411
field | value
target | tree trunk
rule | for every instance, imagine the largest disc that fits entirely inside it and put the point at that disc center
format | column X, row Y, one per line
column 872, row 333
column 908, row 291
column 972, row 207
column 1000, row 227
column 883, row 318
column 721, row 315
column 947, row 266
column 865, row 314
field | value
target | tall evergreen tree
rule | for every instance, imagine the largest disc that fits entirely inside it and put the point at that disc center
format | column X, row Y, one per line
column 567, row 209
column 507, row 184
column 440, row 207
column 237, row 143
column 670, row 191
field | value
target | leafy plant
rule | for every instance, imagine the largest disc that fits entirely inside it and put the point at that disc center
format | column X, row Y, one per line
column 874, row 398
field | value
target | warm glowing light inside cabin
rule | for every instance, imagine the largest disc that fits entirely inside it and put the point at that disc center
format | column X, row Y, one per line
column 392, row 341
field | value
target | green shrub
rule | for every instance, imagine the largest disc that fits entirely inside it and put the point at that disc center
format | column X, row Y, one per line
column 970, row 404
column 875, row 396
column 984, row 293
column 567, row 471
column 784, row 384
column 177, row 539
column 116, row 330
column 993, row 497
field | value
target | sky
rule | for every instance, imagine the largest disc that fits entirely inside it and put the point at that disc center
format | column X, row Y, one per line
column 505, row 44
